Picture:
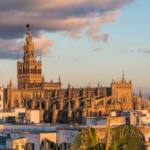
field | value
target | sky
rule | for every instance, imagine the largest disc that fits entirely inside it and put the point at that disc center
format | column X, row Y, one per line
column 83, row 41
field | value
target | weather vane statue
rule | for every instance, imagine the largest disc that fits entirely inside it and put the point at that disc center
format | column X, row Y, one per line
column 28, row 26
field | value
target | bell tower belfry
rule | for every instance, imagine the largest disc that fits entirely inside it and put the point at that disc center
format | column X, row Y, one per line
column 122, row 93
column 29, row 49
column 29, row 70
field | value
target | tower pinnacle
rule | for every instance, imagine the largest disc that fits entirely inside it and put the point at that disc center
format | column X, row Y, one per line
column 28, row 26
column 123, row 78
column 140, row 93
column 59, row 80
column 29, row 48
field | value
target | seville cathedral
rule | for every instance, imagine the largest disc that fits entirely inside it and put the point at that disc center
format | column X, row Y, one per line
column 69, row 105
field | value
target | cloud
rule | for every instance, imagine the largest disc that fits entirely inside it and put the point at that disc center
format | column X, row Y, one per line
column 42, row 44
column 147, row 51
column 141, row 50
column 94, row 30
column 54, row 15
column 98, row 49
column 12, row 48
column 75, row 60
column 68, row 16
column 9, row 49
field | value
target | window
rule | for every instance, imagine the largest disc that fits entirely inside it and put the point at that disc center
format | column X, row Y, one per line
column 23, row 70
column 17, row 147
column 39, row 71
column 35, row 70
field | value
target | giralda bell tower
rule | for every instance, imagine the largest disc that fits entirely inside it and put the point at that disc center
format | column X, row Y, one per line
column 29, row 70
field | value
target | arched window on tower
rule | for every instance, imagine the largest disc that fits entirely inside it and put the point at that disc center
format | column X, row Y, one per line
column 32, row 71
column 20, row 71
column 35, row 69
column 27, row 70
column 23, row 70
column 39, row 71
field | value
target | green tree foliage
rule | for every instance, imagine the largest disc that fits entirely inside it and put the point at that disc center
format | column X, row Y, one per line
column 86, row 140
column 121, row 138
column 127, row 138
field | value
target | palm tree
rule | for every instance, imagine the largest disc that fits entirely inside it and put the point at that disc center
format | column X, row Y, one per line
column 127, row 138
column 87, row 139
column 121, row 138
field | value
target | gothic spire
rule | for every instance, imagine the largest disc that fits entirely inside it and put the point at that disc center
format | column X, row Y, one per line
column 140, row 93
column 10, row 84
column 29, row 34
column 59, row 80
column 28, row 26
column 29, row 49
column 43, row 79
column 123, row 78
column 69, row 111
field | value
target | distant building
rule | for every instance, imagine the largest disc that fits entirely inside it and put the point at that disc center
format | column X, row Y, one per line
column 122, row 93
column 32, row 87
column 17, row 143
column 1, row 98
column 65, row 106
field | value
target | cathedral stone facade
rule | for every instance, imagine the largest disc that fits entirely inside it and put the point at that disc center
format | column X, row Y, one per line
column 70, row 105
